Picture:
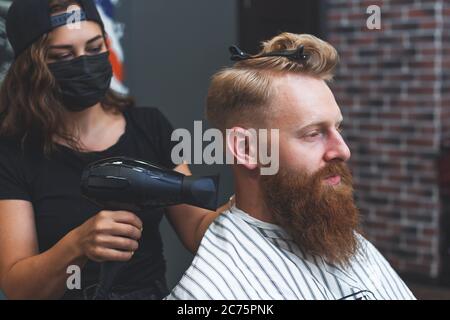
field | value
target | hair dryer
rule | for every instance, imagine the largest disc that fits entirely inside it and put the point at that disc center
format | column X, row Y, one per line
column 122, row 183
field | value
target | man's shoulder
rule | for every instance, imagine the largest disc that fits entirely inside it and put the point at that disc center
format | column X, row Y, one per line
column 365, row 246
column 221, row 234
column 227, row 227
column 206, row 278
column 369, row 254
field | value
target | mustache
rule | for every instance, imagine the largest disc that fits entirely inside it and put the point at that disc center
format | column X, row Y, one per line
column 334, row 168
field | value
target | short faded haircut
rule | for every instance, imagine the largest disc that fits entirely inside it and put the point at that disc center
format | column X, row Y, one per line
column 240, row 95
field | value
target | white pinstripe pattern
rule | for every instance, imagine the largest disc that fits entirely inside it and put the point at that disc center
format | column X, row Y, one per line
column 244, row 258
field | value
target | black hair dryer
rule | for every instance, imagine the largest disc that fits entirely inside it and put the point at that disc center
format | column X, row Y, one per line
column 122, row 183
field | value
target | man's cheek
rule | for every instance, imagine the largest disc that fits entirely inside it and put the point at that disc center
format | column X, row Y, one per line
column 292, row 159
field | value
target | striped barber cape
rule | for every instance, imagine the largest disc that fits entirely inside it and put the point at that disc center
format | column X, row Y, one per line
column 243, row 258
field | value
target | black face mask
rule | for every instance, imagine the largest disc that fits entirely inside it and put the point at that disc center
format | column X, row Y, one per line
column 83, row 81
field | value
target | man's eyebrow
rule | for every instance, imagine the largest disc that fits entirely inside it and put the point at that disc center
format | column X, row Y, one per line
column 68, row 46
column 320, row 124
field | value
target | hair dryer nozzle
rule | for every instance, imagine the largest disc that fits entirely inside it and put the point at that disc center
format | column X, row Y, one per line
column 200, row 191
column 120, row 183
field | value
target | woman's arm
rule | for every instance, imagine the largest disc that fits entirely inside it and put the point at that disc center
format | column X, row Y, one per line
column 189, row 222
column 25, row 274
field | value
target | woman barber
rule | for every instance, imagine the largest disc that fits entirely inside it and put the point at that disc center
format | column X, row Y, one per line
column 57, row 114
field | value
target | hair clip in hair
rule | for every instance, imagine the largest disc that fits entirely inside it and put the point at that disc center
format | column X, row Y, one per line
column 297, row 55
column 237, row 54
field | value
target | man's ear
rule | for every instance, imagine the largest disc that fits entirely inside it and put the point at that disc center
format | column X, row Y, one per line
column 242, row 144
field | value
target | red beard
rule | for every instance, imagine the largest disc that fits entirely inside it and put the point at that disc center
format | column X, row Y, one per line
column 322, row 219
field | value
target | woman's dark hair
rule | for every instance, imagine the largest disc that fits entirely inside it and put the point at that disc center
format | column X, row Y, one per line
column 29, row 108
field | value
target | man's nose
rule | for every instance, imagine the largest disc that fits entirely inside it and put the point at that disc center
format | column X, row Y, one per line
column 337, row 148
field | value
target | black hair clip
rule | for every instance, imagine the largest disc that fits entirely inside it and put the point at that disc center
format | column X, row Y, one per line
column 296, row 54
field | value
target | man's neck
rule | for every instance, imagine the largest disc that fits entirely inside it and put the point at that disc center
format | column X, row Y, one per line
column 249, row 199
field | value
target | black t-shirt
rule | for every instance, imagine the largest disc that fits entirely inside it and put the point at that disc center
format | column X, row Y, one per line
column 52, row 185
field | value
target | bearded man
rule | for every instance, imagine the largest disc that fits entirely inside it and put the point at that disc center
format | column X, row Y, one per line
column 293, row 234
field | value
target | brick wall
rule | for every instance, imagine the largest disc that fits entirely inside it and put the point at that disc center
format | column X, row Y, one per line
column 446, row 76
column 391, row 90
column 444, row 173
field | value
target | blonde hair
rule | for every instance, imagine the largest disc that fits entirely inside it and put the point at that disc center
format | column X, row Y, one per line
column 240, row 95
